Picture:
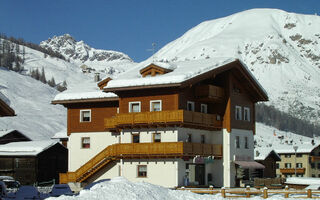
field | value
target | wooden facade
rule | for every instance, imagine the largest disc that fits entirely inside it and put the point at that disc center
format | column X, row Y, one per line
column 12, row 136
column 270, row 165
column 99, row 111
column 5, row 109
column 28, row 170
column 153, row 70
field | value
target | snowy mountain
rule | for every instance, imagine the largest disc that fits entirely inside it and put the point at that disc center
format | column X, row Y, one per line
column 281, row 49
column 30, row 99
column 80, row 53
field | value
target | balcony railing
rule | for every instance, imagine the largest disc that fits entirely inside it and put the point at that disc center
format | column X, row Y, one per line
column 165, row 118
column 315, row 158
column 209, row 93
column 292, row 170
column 140, row 150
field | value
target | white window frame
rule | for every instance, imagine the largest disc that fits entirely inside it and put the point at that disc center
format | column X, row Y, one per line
column 82, row 142
column 240, row 112
column 134, row 102
column 155, row 101
column 205, row 106
column 81, row 115
column 246, row 109
column 192, row 105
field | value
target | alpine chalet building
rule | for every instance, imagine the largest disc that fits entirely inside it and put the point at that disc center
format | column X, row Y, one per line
column 170, row 124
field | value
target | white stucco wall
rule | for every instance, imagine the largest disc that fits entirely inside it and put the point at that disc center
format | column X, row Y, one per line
column 79, row 156
column 146, row 135
column 231, row 153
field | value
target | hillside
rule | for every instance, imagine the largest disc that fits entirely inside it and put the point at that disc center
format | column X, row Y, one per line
column 281, row 49
column 30, row 99
column 80, row 53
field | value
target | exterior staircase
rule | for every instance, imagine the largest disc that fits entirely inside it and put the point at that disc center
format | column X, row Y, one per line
column 140, row 150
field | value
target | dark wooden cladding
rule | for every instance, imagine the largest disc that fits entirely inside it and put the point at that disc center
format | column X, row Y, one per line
column 13, row 136
column 99, row 111
column 5, row 109
column 28, row 170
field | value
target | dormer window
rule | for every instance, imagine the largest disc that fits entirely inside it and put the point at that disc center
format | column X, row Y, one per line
column 153, row 70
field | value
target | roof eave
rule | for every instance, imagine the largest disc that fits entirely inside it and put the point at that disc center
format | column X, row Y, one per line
column 118, row 89
column 84, row 100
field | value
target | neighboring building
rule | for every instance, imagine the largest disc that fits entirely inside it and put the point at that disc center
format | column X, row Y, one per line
column 7, row 136
column 5, row 109
column 62, row 136
column 192, row 119
column 268, row 158
column 33, row 161
column 307, row 161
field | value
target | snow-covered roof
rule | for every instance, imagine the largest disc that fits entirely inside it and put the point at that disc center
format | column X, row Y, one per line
column 302, row 148
column 303, row 180
column 30, row 148
column 183, row 70
column 84, row 95
column 60, row 135
column 262, row 153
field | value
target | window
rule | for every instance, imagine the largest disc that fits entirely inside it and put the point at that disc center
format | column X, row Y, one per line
column 135, row 138
column 85, row 115
column 287, row 165
column 318, row 165
column 299, row 165
column 287, row 155
column 189, row 139
column 246, row 143
column 238, row 113
column 313, row 175
column 202, row 139
column 312, row 165
column 155, row 105
column 237, row 141
column 299, row 155
column 142, row 171
column 190, row 105
column 277, row 165
column 135, row 106
column 85, row 142
column 157, row 137
column 204, row 108
column 246, row 116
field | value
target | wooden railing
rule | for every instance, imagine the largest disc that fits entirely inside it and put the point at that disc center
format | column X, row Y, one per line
column 140, row 150
column 190, row 118
column 209, row 92
column 315, row 158
column 292, row 170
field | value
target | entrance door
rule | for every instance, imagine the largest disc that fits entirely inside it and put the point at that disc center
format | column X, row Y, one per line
column 196, row 174
column 200, row 174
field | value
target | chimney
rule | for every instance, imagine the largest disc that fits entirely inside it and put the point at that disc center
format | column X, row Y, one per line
column 96, row 77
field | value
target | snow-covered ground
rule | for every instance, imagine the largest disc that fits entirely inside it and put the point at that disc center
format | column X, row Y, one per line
column 36, row 116
column 120, row 188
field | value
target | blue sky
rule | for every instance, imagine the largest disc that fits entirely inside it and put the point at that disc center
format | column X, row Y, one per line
column 129, row 26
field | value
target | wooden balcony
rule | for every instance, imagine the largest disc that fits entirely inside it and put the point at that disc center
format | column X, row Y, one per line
column 141, row 150
column 315, row 158
column 292, row 170
column 164, row 118
column 209, row 93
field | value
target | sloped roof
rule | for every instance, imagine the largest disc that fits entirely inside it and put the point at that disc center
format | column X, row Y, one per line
column 6, row 132
column 184, row 73
column 5, row 109
column 60, row 135
column 30, row 148
column 302, row 148
column 263, row 153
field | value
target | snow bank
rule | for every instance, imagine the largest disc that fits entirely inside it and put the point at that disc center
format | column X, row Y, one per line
column 120, row 188
column 303, row 181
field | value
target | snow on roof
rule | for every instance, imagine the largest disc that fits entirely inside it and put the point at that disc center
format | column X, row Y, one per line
column 262, row 153
column 302, row 148
column 183, row 71
column 30, row 148
column 5, row 132
column 4, row 99
column 83, row 95
column 60, row 135
column 165, row 65
column 303, row 180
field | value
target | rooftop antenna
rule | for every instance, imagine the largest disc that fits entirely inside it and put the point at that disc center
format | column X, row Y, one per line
column 153, row 50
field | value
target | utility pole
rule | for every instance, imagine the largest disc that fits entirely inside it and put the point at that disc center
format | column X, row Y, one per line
column 295, row 160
